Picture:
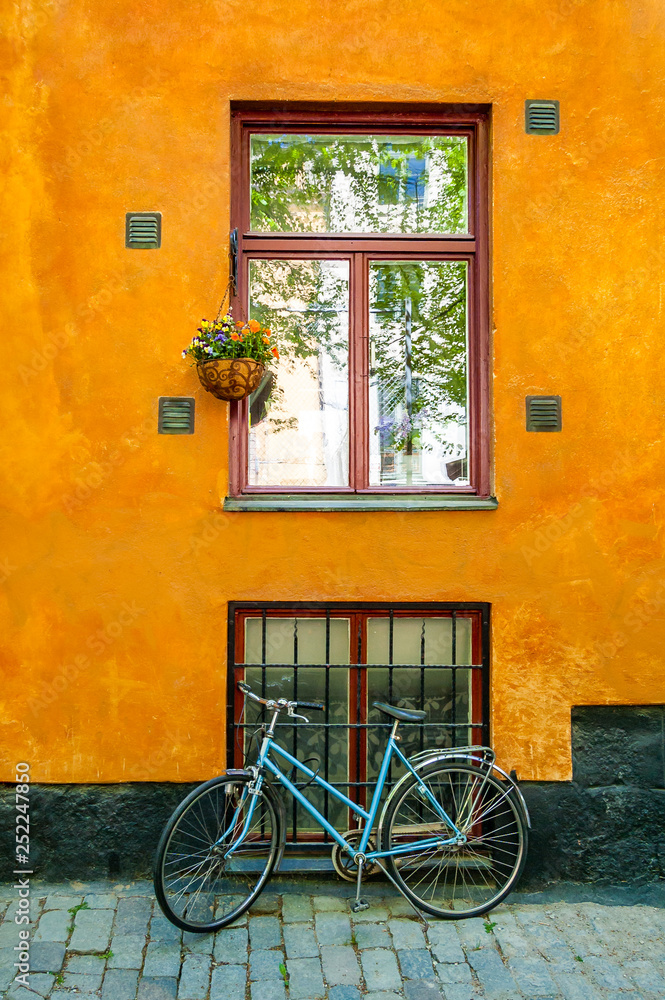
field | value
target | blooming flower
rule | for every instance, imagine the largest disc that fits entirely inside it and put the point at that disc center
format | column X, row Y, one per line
column 254, row 326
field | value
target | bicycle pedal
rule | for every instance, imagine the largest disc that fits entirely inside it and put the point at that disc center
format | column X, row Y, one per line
column 359, row 904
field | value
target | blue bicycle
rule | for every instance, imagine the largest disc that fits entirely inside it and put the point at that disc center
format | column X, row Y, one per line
column 452, row 835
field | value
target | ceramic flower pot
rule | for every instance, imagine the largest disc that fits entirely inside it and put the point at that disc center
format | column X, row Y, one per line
column 230, row 378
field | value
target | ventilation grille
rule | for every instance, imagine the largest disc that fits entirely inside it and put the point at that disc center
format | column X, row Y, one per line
column 176, row 415
column 543, row 413
column 542, row 117
column 143, row 230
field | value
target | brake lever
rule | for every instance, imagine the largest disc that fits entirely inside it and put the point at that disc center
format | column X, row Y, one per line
column 294, row 715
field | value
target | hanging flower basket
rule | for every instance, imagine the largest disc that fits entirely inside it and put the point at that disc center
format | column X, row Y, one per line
column 230, row 356
column 230, row 378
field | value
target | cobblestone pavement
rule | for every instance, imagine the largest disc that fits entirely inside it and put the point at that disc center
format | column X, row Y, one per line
column 107, row 941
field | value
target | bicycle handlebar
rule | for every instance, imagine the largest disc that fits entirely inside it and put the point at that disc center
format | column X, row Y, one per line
column 280, row 703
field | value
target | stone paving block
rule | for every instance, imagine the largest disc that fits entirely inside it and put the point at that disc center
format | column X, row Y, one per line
column 406, row 934
column 268, row 902
column 340, row 965
column 398, row 906
column 494, row 978
column 58, row 901
column 157, row 988
column 132, row 915
column 265, row 964
column 422, row 989
column 9, row 933
column 82, row 983
column 47, row 956
column 264, row 932
column 194, row 978
column 228, row 982
column 371, row 936
column 333, row 928
column 416, row 963
column 92, row 930
column 343, row 993
column 85, row 965
column 305, row 979
column 576, row 931
column 380, row 969
column 101, row 901
column 7, row 970
column 227, row 904
column 199, row 944
column 457, row 992
column 127, row 951
column 53, row 926
column 453, row 973
column 162, row 960
column 473, row 934
column 645, row 975
column 162, row 929
column 575, row 986
column 445, row 943
column 296, row 909
column 532, row 975
column 331, row 904
column 608, row 974
column 299, row 941
column 120, row 984
column 268, row 991
column 375, row 914
column 40, row 983
column 231, row 945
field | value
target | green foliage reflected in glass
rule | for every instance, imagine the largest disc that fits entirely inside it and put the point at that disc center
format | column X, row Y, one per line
column 358, row 183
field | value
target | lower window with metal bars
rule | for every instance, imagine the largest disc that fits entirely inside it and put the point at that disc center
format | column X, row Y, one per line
column 420, row 656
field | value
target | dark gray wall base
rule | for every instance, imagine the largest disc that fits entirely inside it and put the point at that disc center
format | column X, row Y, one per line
column 90, row 831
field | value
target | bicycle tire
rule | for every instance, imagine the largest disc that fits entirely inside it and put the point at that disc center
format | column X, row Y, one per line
column 196, row 888
column 457, row 881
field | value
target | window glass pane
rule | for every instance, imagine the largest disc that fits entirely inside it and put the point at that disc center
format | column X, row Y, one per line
column 418, row 374
column 358, row 183
column 445, row 695
column 306, row 637
column 299, row 420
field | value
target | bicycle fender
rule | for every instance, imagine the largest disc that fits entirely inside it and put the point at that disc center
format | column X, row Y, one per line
column 270, row 791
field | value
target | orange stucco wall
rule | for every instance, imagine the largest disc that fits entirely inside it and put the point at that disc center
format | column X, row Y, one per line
column 115, row 563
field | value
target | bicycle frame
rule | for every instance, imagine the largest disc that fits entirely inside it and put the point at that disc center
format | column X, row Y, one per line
column 264, row 763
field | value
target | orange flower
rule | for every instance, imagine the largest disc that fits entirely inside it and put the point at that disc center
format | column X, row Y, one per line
column 239, row 323
column 234, row 336
column 275, row 352
column 266, row 340
column 267, row 332
column 254, row 326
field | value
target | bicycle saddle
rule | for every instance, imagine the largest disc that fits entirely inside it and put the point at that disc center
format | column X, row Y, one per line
column 403, row 714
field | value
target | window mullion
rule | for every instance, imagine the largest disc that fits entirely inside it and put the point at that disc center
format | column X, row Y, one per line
column 358, row 374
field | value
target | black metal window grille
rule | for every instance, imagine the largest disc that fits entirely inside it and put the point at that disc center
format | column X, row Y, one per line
column 269, row 646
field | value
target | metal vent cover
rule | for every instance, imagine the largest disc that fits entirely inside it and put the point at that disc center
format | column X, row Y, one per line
column 543, row 413
column 143, row 230
column 176, row 415
column 541, row 117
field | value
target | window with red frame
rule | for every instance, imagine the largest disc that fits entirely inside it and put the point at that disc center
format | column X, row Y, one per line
column 431, row 656
column 363, row 245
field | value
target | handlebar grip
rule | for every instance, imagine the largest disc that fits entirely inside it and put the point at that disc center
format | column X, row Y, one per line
column 316, row 705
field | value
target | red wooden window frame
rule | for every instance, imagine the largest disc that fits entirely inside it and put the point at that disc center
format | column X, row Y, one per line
column 360, row 249
column 358, row 615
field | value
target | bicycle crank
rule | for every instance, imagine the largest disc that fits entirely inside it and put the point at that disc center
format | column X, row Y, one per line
column 344, row 864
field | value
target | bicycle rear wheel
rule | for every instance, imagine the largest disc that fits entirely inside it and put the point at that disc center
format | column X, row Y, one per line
column 460, row 880
column 198, row 888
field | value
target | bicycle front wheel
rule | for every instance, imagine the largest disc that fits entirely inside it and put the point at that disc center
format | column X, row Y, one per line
column 197, row 886
column 456, row 880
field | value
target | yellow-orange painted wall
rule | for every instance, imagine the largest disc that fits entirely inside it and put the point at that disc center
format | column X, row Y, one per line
column 115, row 564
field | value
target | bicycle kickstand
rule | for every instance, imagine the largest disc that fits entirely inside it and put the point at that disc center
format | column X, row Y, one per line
column 359, row 903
